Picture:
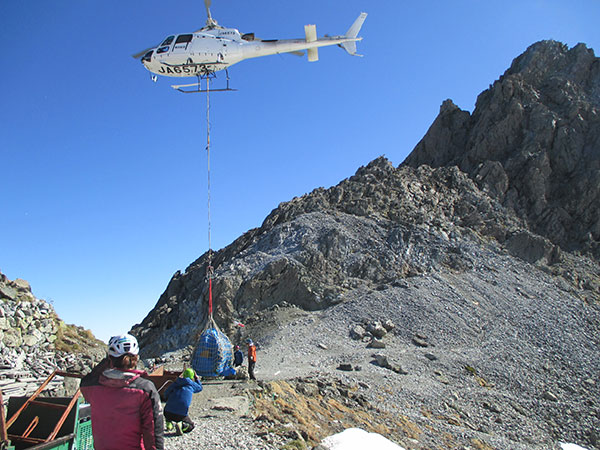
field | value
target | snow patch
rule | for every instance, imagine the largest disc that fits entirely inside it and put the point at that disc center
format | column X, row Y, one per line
column 571, row 447
column 357, row 439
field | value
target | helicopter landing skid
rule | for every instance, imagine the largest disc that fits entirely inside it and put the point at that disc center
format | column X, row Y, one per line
column 203, row 76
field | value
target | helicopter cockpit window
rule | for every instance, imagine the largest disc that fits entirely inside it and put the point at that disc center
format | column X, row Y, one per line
column 184, row 38
column 166, row 45
column 148, row 56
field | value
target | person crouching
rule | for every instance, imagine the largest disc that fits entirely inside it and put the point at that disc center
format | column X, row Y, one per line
column 179, row 397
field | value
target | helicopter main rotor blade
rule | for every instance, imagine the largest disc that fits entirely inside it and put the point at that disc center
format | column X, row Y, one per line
column 138, row 55
column 207, row 4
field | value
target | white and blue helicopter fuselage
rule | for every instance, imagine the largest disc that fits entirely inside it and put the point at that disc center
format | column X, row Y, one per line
column 211, row 50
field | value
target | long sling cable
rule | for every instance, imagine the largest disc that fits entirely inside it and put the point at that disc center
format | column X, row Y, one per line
column 213, row 355
column 209, row 269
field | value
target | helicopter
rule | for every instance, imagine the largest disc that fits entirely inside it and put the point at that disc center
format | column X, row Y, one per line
column 214, row 48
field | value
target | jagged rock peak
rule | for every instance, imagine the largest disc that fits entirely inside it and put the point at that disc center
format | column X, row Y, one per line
column 532, row 142
column 552, row 59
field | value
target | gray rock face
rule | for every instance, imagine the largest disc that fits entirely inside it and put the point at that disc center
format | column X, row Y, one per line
column 372, row 230
column 533, row 143
column 375, row 228
column 25, row 321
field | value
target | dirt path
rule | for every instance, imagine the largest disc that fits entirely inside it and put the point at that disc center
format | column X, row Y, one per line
column 221, row 413
column 221, row 398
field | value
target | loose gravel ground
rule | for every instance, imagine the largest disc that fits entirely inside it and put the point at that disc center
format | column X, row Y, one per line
column 223, row 429
column 220, row 433
column 506, row 356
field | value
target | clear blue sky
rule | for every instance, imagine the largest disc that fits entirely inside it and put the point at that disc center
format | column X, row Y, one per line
column 103, row 173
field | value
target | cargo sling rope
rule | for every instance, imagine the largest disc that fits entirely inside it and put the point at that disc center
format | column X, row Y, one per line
column 209, row 268
column 213, row 355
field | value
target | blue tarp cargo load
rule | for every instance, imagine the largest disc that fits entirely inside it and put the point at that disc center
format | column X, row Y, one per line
column 213, row 356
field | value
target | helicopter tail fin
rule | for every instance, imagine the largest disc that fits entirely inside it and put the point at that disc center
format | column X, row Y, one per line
column 352, row 33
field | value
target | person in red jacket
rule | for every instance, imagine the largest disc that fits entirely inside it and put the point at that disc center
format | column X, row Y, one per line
column 251, row 358
column 126, row 408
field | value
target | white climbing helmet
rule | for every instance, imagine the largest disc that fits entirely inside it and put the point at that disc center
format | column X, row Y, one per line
column 124, row 343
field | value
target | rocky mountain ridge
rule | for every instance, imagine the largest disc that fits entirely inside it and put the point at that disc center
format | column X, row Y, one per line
column 374, row 229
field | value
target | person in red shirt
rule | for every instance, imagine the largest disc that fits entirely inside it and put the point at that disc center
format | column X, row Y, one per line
column 251, row 358
column 126, row 409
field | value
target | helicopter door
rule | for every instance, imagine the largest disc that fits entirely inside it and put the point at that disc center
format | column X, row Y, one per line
column 182, row 44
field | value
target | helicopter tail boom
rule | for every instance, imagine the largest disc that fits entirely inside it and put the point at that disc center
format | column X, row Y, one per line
column 352, row 33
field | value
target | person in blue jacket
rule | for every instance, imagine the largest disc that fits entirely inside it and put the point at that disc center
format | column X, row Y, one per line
column 179, row 397
column 238, row 357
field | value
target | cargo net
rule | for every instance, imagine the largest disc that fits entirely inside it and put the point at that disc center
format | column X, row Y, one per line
column 213, row 356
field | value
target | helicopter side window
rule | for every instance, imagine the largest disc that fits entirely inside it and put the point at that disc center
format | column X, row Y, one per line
column 182, row 41
column 184, row 38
